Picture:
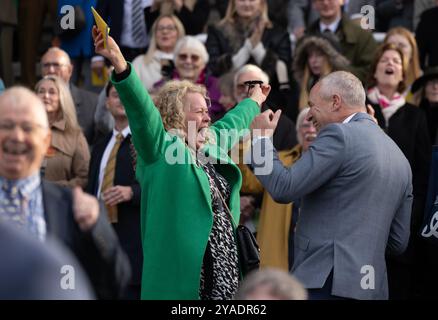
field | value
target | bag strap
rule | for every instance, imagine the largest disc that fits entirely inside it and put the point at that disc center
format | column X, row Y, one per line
column 216, row 190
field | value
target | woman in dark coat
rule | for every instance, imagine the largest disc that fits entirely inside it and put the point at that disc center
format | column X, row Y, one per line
column 425, row 89
column 192, row 13
column 406, row 125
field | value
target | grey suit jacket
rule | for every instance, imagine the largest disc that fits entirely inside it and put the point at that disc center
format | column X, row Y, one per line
column 356, row 190
column 85, row 103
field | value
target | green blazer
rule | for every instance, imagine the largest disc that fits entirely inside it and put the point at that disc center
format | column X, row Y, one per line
column 176, row 211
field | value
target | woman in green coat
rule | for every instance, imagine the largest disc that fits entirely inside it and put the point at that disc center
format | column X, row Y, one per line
column 184, row 170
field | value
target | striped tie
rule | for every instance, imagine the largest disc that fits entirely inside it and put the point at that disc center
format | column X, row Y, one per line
column 108, row 177
column 138, row 23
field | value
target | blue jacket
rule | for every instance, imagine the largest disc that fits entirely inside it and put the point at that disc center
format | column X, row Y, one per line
column 82, row 44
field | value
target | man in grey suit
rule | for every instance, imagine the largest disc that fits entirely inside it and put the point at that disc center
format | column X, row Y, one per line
column 57, row 62
column 356, row 191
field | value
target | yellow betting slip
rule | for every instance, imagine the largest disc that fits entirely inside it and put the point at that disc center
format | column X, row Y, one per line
column 102, row 26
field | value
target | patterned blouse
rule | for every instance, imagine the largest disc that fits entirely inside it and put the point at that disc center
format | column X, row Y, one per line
column 220, row 269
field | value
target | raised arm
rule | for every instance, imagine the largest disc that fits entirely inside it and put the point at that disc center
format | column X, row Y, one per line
column 240, row 117
column 148, row 133
column 317, row 166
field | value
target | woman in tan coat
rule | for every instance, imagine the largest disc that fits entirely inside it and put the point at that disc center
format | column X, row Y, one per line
column 67, row 159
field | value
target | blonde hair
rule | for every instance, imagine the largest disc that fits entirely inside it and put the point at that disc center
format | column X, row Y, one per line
column 231, row 13
column 170, row 102
column 413, row 69
column 66, row 104
column 153, row 41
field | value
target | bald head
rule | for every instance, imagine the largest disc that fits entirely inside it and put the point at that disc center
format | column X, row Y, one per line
column 24, row 133
column 56, row 62
column 22, row 100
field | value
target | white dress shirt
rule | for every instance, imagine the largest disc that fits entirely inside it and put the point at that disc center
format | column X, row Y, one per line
column 107, row 153
column 347, row 120
column 126, row 36
column 332, row 27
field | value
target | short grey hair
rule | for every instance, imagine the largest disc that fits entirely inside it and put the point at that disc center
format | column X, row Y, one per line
column 192, row 43
column 251, row 68
column 279, row 283
column 346, row 85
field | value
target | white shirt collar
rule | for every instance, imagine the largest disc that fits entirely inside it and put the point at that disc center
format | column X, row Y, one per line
column 125, row 132
column 333, row 26
column 347, row 120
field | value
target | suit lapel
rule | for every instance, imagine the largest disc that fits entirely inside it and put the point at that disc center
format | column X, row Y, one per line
column 77, row 98
column 54, row 210
column 98, row 151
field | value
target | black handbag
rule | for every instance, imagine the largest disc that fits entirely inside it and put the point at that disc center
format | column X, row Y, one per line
column 247, row 246
column 249, row 251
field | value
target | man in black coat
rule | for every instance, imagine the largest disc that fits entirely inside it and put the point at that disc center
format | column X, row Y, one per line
column 44, row 209
column 123, row 191
column 357, row 44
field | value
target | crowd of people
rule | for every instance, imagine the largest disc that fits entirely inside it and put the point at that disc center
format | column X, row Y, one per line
column 135, row 155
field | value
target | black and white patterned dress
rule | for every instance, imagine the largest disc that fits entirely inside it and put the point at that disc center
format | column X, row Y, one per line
column 220, row 269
